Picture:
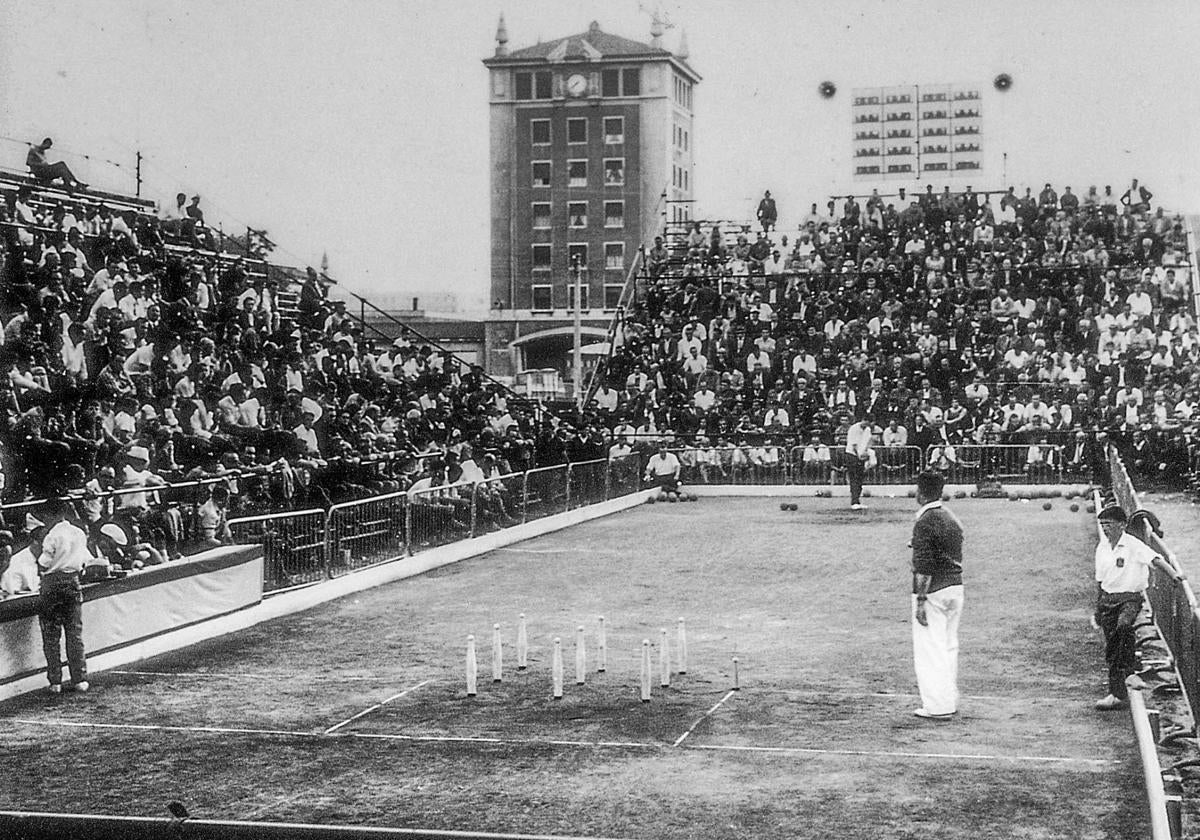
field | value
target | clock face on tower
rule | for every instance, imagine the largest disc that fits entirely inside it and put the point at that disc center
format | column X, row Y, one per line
column 577, row 85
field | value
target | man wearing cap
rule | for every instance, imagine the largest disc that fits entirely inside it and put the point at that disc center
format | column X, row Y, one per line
column 1122, row 574
column 64, row 554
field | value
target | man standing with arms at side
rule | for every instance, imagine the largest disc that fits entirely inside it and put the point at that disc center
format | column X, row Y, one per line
column 1122, row 574
column 858, row 447
column 937, row 540
column 64, row 554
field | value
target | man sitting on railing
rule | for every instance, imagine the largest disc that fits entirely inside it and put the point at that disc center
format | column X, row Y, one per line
column 46, row 172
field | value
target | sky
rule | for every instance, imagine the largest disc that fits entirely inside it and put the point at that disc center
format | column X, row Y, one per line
column 359, row 129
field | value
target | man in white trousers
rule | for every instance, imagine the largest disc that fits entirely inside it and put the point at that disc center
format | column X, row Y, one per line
column 937, row 599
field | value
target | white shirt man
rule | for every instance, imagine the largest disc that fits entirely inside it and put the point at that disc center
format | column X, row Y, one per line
column 704, row 399
column 804, row 362
column 606, row 399
column 776, row 414
column 21, row 574
column 663, row 467
column 757, row 359
column 895, row 435
column 64, row 549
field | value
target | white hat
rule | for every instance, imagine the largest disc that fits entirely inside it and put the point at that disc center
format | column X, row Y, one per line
column 138, row 452
column 114, row 532
column 32, row 522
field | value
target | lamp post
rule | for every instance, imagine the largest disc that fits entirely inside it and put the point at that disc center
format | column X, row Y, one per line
column 577, row 313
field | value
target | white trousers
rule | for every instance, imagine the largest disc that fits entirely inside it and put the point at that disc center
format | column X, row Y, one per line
column 935, row 650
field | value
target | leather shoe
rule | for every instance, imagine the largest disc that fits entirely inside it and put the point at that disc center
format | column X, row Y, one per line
column 1111, row 703
column 922, row 713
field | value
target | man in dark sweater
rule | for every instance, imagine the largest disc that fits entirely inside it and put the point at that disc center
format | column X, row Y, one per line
column 937, row 539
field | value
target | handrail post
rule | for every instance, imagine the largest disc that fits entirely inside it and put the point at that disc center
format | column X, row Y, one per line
column 608, row 468
column 328, row 553
column 408, row 526
column 570, row 471
column 474, row 508
column 525, row 498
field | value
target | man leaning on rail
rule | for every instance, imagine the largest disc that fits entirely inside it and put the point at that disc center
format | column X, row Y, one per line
column 1122, row 574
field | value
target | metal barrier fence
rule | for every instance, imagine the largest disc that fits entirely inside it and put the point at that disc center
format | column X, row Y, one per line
column 294, row 545
column 546, row 492
column 366, row 531
column 438, row 516
column 586, row 483
column 1014, row 463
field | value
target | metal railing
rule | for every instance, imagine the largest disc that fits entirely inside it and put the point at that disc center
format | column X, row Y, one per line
column 365, row 532
column 294, row 545
column 1014, row 463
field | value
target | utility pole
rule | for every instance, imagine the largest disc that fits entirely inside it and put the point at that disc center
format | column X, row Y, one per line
column 578, row 314
column 139, row 174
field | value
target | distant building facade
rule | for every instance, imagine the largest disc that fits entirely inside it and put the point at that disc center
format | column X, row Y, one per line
column 917, row 130
column 589, row 134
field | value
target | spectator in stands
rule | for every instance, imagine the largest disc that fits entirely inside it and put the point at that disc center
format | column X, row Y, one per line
column 46, row 172
column 767, row 212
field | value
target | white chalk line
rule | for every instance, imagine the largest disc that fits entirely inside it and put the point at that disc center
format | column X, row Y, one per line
column 281, row 800
column 706, row 716
column 466, row 739
column 224, row 675
column 898, row 754
column 817, row 692
column 378, row 705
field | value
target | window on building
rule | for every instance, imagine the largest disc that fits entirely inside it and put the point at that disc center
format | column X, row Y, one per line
column 687, row 180
column 524, row 86
column 614, row 172
column 614, row 130
column 614, row 214
column 627, row 82
column 614, row 256
column 612, row 295
column 577, row 173
column 583, row 293
column 533, row 85
column 541, row 256
column 578, row 249
column 539, row 132
column 542, row 297
column 541, row 214
column 577, row 212
column 541, row 173
column 610, row 82
column 577, row 130
column 631, row 81
column 686, row 139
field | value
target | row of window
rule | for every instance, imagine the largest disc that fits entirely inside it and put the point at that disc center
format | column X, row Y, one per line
column 928, row 167
column 577, row 172
column 683, row 93
column 577, row 131
column 680, row 178
column 874, row 151
column 543, row 296
column 682, row 138
column 577, row 214
column 543, row 255
column 538, row 84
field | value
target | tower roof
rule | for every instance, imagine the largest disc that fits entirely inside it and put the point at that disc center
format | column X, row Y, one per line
column 593, row 45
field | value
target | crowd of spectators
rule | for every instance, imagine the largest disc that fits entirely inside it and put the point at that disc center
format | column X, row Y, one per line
column 945, row 319
column 135, row 356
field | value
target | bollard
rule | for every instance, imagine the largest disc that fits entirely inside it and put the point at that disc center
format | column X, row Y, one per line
column 580, row 656
column 682, row 645
column 471, row 667
column 557, row 669
column 735, row 674
column 664, row 660
column 522, row 644
column 602, row 649
column 645, row 670
column 497, row 655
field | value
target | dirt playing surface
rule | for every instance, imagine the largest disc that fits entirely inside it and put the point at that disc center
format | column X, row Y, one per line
column 819, row 741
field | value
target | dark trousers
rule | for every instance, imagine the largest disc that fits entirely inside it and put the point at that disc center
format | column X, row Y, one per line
column 1116, row 614
column 61, row 612
column 53, row 172
column 854, row 474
